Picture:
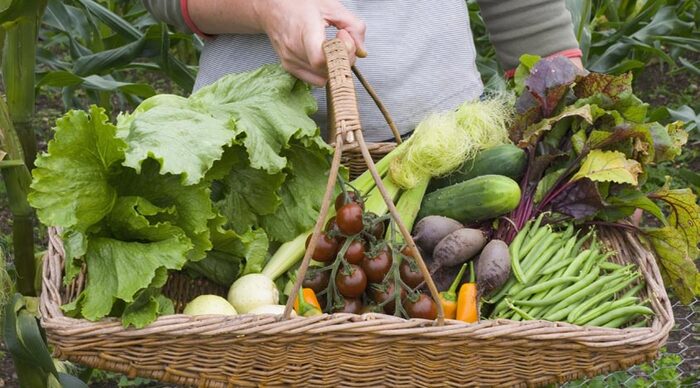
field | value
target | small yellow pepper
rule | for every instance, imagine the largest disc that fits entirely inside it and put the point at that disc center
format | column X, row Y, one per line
column 449, row 298
column 467, row 310
column 306, row 303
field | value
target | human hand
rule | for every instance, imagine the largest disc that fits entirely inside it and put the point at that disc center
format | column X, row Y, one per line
column 297, row 32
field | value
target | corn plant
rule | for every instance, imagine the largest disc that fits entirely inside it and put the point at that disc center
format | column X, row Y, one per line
column 24, row 339
column 19, row 21
column 104, row 43
column 622, row 35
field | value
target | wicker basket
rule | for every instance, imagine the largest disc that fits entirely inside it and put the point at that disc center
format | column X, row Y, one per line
column 347, row 349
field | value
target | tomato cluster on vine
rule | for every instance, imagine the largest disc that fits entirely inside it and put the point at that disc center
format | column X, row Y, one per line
column 364, row 272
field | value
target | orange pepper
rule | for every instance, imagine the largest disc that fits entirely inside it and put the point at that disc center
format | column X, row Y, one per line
column 467, row 310
column 449, row 298
column 309, row 305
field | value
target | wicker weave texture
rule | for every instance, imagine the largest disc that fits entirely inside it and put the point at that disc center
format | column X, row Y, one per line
column 345, row 349
column 352, row 350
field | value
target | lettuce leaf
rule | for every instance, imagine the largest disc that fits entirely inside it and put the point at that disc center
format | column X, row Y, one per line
column 134, row 200
column 225, row 262
column 192, row 207
column 262, row 109
column 124, row 226
column 301, row 193
column 71, row 187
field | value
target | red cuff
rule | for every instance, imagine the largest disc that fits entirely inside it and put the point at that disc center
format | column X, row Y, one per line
column 188, row 20
column 570, row 53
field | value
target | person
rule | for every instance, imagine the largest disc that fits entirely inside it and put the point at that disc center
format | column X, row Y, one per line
column 419, row 55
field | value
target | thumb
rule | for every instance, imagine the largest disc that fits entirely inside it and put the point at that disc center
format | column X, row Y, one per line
column 349, row 43
column 355, row 28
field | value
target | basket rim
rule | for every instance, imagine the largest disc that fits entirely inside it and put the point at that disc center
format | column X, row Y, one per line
column 176, row 325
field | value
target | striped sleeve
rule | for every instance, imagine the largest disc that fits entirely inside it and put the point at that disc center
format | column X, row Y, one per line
column 167, row 11
column 516, row 27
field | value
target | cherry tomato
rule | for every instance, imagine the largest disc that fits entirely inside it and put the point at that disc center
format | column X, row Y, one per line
column 350, row 305
column 410, row 273
column 355, row 252
column 316, row 280
column 331, row 225
column 407, row 251
column 377, row 266
column 326, row 248
column 422, row 307
column 380, row 293
column 349, row 219
column 351, row 283
column 378, row 229
column 352, row 197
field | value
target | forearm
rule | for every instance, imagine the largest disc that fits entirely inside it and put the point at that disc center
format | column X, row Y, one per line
column 210, row 16
column 516, row 27
column 227, row 16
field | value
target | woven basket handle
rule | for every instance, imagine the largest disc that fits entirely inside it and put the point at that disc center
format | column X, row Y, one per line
column 330, row 97
column 346, row 119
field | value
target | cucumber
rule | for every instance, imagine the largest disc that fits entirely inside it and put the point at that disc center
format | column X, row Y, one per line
column 505, row 159
column 480, row 198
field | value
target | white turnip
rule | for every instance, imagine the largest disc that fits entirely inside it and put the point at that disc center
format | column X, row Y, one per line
column 251, row 291
column 209, row 305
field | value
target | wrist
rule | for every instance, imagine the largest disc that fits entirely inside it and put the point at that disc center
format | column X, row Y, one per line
column 265, row 14
column 212, row 17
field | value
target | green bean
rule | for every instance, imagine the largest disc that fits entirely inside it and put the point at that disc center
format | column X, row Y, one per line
column 545, row 285
column 542, row 246
column 609, row 291
column 517, row 269
column 561, row 264
column 559, row 261
column 534, row 311
column 536, row 224
column 519, row 311
column 604, row 308
column 562, row 309
column 568, row 232
column 561, row 295
column 555, row 250
column 517, row 242
column 569, row 271
column 579, row 243
column 642, row 323
column 530, row 244
column 629, row 310
column 634, row 290
column 610, row 266
column 578, row 262
column 592, row 259
column 616, row 323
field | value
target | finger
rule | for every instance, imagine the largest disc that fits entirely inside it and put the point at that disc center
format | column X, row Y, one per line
column 310, row 77
column 356, row 28
column 312, row 39
column 344, row 36
column 300, row 69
